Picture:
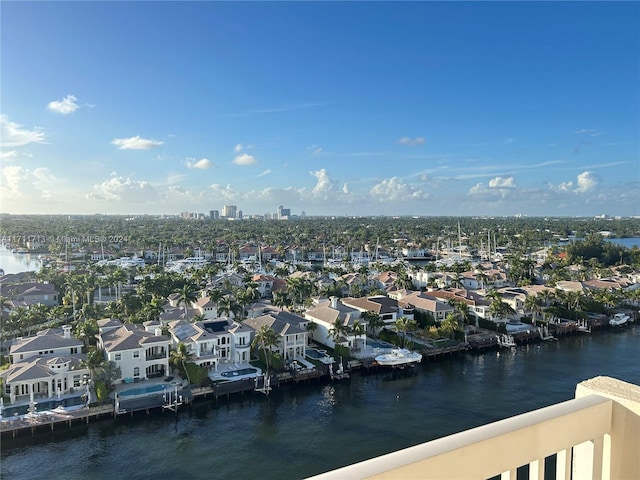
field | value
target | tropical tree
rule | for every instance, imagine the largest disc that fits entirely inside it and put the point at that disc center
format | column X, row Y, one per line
column 281, row 300
column 87, row 331
column 179, row 357
column 186, row 295
column 338, row 329
column 450, row 325
column 359, row 330
column 312, row 327
column 373, row 320
column 403, row 327
column 103, row 372
column 265, row 338
column 533, row 304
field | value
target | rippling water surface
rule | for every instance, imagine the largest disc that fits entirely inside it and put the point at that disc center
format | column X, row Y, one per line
column 306, row 429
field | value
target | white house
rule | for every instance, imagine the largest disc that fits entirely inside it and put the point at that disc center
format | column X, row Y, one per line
column 425, row 303
column 212, row 342
column 140, row 354
column 291, row 330
column 45, row 365
column 46, row 342
column 326, row 314
column 387, row 308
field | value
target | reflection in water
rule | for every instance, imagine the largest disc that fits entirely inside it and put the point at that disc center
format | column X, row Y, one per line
column 304, row 429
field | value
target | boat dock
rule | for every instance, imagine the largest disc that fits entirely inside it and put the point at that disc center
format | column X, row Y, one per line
column 52, row 419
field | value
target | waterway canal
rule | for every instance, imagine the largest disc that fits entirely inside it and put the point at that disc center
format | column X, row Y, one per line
column 301, row 430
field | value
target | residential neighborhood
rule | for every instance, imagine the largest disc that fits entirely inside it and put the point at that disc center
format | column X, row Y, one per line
column 116, row 330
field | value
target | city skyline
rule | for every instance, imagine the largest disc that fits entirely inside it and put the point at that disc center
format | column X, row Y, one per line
column 331, row 108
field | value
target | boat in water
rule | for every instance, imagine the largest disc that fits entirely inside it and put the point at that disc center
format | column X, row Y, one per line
column 399, row 356
column 619, row 319
column 506, row 341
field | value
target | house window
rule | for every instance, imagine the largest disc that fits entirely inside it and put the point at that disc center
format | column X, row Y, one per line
column 136, row 354
column 136, row 372
column 118, row 356
column 76, row 381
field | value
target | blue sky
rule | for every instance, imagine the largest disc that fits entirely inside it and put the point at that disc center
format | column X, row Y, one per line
column 331, row 108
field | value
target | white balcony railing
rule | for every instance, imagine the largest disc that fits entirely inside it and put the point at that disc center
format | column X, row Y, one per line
column 594, row 436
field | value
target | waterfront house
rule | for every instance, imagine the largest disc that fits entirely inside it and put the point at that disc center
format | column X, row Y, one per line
column 425, row 303
column 388, row 309
column 291, row 330
column 327, row 314
column 139, row 353
column 44, row 365
column 45, row 342
column 213, row 341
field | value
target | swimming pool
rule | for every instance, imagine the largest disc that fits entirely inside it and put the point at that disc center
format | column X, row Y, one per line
column 155, row 388
column 237, row 373
column 316, row 354
column 378, row 344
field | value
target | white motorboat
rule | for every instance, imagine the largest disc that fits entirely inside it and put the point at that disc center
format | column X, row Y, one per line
column 507, row 341
column 619, row 319
column 399, row 356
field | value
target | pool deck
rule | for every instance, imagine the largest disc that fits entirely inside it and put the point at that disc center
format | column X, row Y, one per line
column 232, row 367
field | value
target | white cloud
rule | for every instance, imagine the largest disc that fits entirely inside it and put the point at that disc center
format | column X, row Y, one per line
column 244, row 159
column 21, row 186
column 590, row 132
column 412, row 141
column 135, row 143
column 13, row 135
column 202, row 164
column 502, row 182
column 238, row 148
column 224, row 192
column 125, row 190
column 8, row 155
column 587, row 181
column 394, row 189
column 266, row 172
column 317, row 151
column 325, row 184
column 65, row 106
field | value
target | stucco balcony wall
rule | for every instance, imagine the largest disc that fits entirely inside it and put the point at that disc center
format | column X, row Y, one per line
column 596, row 435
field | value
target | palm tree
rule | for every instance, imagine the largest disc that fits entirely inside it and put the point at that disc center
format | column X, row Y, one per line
column 403, row 326
column 450, row 325
column 358, row 329
column 373, row 320
column 73, row 284
column 186, row 295
column 311, row 329
column 281, row 300
column 266, row 338
column 179, row 357
column 533, row 303
column 87, row 331
column 338, row 329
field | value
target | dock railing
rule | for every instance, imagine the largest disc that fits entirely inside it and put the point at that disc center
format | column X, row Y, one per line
column 594, row 436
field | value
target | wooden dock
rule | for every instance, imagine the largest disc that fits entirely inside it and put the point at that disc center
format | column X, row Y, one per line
column 50, row 420
column 434, row 353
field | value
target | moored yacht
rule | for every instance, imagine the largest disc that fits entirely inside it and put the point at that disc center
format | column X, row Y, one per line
column 619, row 319
column 399, row 356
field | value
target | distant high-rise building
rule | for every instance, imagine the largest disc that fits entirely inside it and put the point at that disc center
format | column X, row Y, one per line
column 214, row 214
column 283, row 213
column 229, row 211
